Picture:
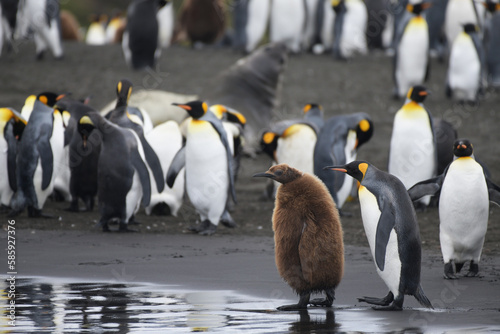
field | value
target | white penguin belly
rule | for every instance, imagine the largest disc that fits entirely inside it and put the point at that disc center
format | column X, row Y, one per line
column 134, row 195
column 258, row 13
column 167, row 132
column 350, row 155
column 370, row 214
column 165, row 18
column 297, row 150
column 412, row 151
column 354, row 28
column 463, row 211
column 5, row 190
column 412, row 56
column 287, row 22
column 207, row 179
column 464, row 68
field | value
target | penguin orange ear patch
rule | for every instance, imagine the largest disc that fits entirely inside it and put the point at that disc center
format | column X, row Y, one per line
column 43, row 99
column 364, row 125
column 268, row 137
column 307, row 108
column 363, row 167
column 205, row 106
column 119, row 86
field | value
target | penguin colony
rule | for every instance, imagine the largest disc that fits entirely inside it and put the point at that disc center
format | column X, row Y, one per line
column 57, row 144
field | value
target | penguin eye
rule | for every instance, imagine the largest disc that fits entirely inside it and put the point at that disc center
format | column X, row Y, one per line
column 279, row 172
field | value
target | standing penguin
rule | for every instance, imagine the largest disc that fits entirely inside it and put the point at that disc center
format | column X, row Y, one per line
column 464, row 195
column 287, row 23
column 412, row 154
column 338, row 143
column 351, row 19
column 208, row 158
column 123, row 177
column 166, row 19
column 250, row 23
column 411, row 60
column 493, row 44
column 12, row 125
column 47, row 31
column 96, row 32
column 309, row 249
column 459, row 12
column 391, row 227
column 39, row 155
column 140, row 38
column 466, row 66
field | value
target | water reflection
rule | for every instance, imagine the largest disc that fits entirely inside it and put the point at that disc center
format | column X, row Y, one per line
column 325, row 324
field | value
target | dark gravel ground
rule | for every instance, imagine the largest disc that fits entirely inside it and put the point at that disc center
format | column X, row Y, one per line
column 362, row 84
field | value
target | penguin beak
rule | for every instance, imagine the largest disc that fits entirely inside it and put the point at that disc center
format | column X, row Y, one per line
column 183, row 106
column 336, row 168
column 266, row 174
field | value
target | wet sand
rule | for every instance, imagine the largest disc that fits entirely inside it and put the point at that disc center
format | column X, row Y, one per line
column 242, row 259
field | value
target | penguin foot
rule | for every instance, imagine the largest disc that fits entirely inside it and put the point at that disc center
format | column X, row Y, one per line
column 205, row 228
column 227, row 220
column 301, row 305
column 132, row 221
column 392, row 307
column 343, row 213
column 40, row 55
column 124, row 228
column 473, row 270
column 396, row 304
column 378, row 301
column 37, row 213
column 449, row 270
column 73, row 207
column 326, row 302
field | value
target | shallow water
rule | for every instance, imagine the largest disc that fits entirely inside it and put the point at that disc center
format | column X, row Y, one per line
column 46, row 305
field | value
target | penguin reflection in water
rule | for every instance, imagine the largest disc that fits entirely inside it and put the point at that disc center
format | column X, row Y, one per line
column 464, row 196
column 392, row 230
column 308, row 236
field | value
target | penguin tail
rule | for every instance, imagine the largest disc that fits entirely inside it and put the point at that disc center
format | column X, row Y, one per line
column 421, row 298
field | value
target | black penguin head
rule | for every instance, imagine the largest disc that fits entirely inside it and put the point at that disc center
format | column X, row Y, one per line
column 85, row 127
column 470, row 28
column 491, row 6
column 195, row 109
column 417, row 93
column 313, row 108
column 281, row 173
column 123, row 92
column 364, row 131
column 49, row 98
column 418, row 8
column 9, row 115
column 462, row 148
column 269, row 143
column 356, row 169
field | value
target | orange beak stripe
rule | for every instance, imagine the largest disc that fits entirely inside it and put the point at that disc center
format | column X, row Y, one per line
column 184, row 106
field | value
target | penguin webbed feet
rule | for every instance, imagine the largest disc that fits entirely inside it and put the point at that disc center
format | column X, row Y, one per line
column 37, row 213
column 205, row 228
column 301, row 305
column 449, row 270
column 378, row 301
column 473, row 270
column 324, row 302
column 388, row 303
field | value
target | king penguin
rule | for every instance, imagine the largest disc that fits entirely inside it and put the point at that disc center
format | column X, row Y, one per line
column 207, row 157
column 467, row 66
column 12, row 125
column 337, row 143
column 123, row 177
column 351, row 19
column 459, row 12
column 140, row 38
column 411, row 60
column 287, row 22
column 309, row 249
column 464, row 195
column 412, row 153
column 39, row 156
column 391, row 226
column 250, row 23
column 96, row 32
column 166, row 18
column 41, row 17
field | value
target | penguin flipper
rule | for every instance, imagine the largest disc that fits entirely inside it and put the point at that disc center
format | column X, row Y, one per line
column 142, row 170
column 46, row 155
column 427, row 187
column 178, row 162
column 493, row 192
column 385, row 225
column 153, row 163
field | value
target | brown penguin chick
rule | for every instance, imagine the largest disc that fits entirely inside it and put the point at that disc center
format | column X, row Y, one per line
column 201, row 21
column 309, row 248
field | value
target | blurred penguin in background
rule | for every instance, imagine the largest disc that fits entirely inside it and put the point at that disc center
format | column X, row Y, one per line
column 166, row 18
column 201, row 22
column 435, row 16
column 287, row 22
column 96, row 32
column 47, row 32
column 250, row 22
column 380, row 26
column 411, row 61
column 492, row 42
column 8, row 18
column 467, row 65
column 116, row 23
column 459, row 12
column 351, row 19
column 140, row 38
column 323, row 28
